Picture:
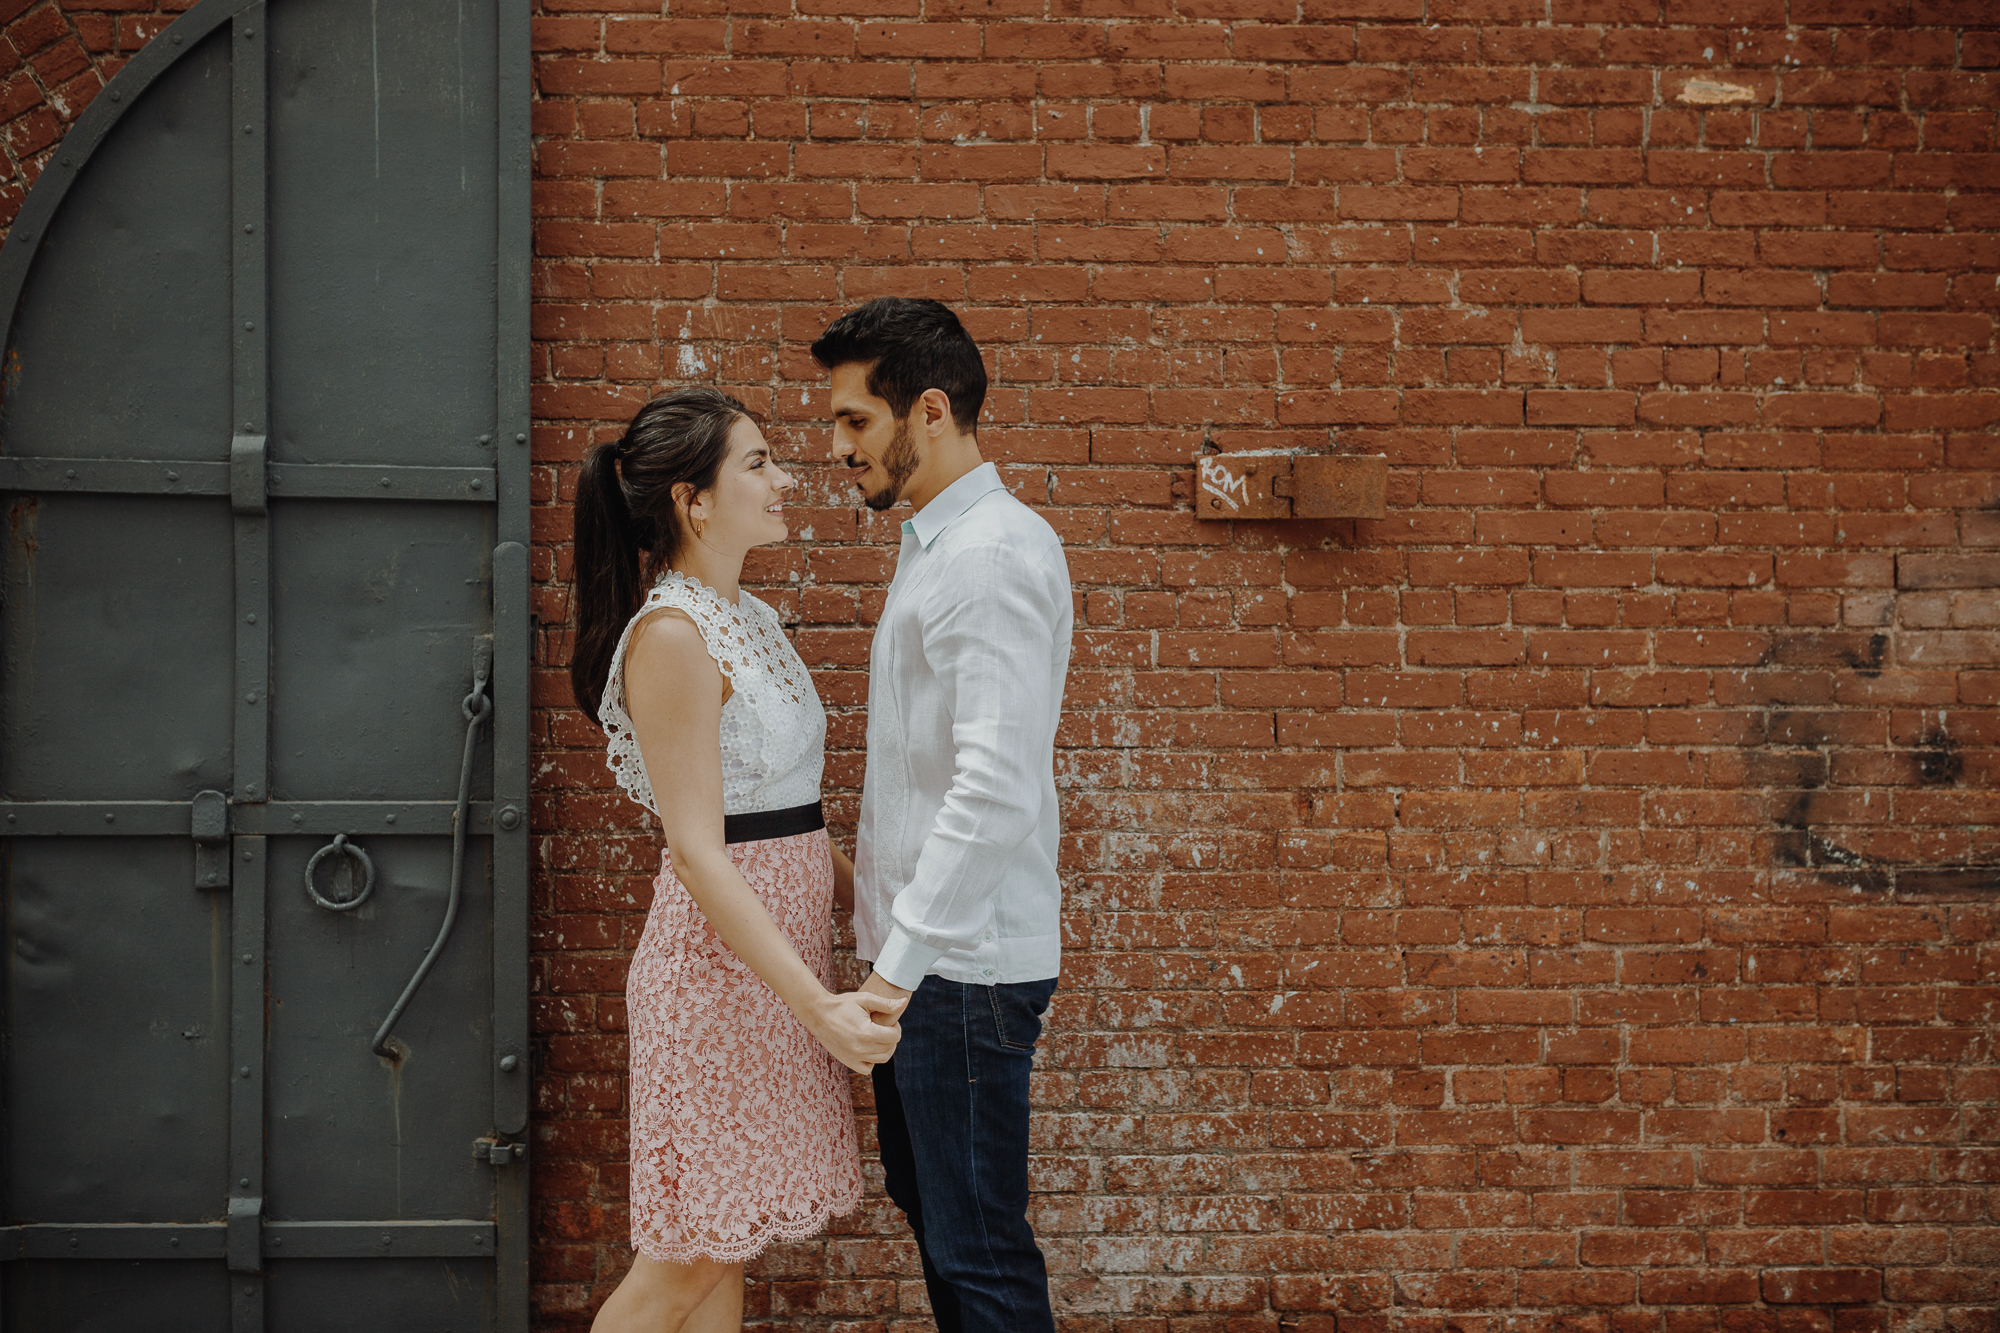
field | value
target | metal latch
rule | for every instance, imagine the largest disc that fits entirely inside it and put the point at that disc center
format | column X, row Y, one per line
column 245, row 1234
column 247, row 484
column 499, row 1152
column 210, row 827
column 1272, row 484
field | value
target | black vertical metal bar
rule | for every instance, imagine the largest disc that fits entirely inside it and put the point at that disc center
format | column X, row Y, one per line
column 511, row 646
column 250, row 396
column 250, row 392
column 247, row 972
column 513, row 1072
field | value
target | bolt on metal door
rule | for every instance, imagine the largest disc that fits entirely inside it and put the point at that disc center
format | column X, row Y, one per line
column 263, row 683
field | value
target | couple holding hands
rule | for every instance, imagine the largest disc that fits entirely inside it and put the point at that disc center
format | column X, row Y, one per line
column 742, row 1128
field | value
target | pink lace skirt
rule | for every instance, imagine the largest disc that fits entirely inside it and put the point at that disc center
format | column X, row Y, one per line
column 742, row 1123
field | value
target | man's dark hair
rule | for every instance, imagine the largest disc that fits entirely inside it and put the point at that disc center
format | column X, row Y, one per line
column 910, row 345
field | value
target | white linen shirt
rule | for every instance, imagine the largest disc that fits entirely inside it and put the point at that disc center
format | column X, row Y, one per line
column 955, row 857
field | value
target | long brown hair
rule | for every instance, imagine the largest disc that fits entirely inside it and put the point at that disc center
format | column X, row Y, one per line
column 627, row 526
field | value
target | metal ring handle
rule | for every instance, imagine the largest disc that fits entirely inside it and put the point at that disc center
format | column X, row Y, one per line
column 342, row 845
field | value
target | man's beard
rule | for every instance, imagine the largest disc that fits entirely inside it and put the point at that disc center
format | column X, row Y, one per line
column 899, row 462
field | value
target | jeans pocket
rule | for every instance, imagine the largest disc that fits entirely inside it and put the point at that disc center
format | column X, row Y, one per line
column 1017, row 1012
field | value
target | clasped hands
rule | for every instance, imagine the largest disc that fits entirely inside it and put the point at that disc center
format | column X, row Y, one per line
column 860, row 1026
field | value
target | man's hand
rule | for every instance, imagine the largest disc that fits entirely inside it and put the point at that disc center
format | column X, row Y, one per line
column 850, row 1026
column 875, row 985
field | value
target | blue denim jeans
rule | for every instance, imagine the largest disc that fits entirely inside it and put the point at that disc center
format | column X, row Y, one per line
column 951, row 1111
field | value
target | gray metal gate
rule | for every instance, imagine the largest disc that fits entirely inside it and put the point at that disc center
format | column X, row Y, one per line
column 263, row 454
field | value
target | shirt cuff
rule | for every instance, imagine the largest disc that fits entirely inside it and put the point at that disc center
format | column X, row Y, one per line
column 903, row 962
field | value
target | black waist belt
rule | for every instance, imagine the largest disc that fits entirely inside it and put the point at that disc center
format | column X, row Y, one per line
column 761, row 824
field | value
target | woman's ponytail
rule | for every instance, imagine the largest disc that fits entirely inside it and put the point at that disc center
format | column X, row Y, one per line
column 627, row 527
column 604, row 591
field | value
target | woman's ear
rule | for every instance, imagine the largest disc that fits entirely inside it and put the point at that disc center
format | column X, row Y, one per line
column 684, row 497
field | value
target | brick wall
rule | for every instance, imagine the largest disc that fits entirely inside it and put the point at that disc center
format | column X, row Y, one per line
column 1568, row 903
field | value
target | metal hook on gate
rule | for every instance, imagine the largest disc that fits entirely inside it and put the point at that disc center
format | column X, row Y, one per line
column 341, row 846
column 476, row 708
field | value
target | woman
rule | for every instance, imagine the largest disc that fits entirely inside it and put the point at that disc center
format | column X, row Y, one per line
column 742, row 1129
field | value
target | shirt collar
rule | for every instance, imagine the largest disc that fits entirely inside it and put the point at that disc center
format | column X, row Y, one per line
column 950, row 502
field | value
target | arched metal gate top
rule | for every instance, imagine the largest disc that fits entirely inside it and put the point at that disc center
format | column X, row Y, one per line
column 45, row 197
column 255, row 609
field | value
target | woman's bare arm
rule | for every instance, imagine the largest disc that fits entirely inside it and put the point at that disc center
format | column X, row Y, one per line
column 674, row 692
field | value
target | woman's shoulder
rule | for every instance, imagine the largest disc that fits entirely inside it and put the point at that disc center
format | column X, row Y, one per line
column 665, row 623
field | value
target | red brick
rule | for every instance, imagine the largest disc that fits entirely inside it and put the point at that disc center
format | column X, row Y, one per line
column 1821, row 1286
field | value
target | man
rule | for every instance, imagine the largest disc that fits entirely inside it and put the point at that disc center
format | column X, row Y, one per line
column 956, row 894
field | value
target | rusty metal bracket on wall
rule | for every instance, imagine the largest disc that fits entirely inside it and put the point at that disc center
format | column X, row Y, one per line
column 1257, row 484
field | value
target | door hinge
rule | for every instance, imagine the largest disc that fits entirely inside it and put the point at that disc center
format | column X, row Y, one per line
column 210, row 826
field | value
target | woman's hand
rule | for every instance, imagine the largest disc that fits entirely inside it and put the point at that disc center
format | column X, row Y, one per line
column 846, row 1025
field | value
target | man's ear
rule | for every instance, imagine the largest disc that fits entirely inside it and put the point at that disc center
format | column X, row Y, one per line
column 937, row 411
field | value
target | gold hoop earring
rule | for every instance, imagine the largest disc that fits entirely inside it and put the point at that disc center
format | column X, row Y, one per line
column 699, row 528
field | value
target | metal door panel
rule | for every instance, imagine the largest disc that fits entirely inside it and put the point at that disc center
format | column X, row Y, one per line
column 115, row 1296
column 263, row 447
column 383, row 342
column 131, row 1127
column 352, row 1134
column 117, row 611
column 334, row 1296
column 374, row 641
column 130, row 295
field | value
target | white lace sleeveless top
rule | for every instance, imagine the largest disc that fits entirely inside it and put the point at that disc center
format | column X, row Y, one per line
column 773, row 727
